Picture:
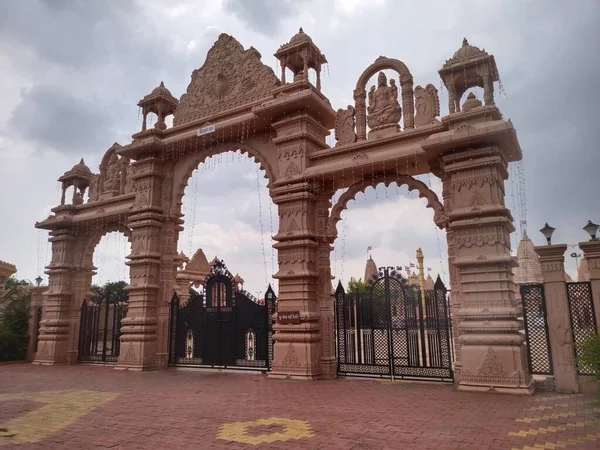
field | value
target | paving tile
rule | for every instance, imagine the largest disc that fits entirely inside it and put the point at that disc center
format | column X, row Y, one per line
column 104, row 408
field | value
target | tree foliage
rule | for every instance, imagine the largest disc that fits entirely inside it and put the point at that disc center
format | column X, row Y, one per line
column 14, row 320
column 588, row 355
column 356, row 286
column 114, row 291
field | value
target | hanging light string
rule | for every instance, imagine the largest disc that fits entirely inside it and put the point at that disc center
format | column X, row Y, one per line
column 262, row 236
column 437, row 237
column 271, row 241
column 343, row 246
column 513, row 189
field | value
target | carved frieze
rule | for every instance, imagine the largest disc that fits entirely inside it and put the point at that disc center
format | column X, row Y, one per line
column 474, row 177
column 480, row 236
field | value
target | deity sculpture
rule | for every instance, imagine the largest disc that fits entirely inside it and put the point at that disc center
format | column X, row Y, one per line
column 93, row 192
column 384, row 109
column 112, row 181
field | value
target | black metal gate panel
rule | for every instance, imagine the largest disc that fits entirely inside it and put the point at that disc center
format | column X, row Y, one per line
column 539, row 357
column 100, row 329
column 223, row 327
column 583, row 317
column 390, row 330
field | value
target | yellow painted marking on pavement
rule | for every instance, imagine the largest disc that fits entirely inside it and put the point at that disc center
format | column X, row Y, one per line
column 548, row 417
column 562, row 444
column 61, row 409
column 560, row 405
column 553, row 429
column 238, row 431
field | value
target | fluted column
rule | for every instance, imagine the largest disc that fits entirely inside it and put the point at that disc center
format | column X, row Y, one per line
column 139, row 327
column 491, row 347
column 408, row 104
column 591, row 251
column 552, row 259
column 54, row 331
column 360, row 105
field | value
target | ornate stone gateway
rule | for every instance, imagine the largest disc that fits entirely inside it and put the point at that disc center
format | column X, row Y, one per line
column 223, row 327
column 100, row 329
column 391, row 133
column 390, row 330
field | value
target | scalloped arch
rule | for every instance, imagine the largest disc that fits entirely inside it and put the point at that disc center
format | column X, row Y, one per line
column 90, row 242
column 413, row 184
column 191, row 164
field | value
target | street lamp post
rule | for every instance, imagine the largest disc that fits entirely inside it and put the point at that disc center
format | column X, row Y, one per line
column 547, row 232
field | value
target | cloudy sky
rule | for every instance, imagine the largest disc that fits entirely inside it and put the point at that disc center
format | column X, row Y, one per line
column 72, row 72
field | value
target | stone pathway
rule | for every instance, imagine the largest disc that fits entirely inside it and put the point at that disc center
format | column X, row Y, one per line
column 99, row 407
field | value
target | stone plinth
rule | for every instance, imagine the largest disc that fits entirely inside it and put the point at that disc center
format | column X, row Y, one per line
column 557, row 311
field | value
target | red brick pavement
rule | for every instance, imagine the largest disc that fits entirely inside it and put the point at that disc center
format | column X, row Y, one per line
column 185, row 409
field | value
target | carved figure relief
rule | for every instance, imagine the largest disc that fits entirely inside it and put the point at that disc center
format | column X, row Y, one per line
column 112, row 182
column 93, row 192
column 128, row 188
column 491, row 365
column 384, row 109
column 345, row 126
column 427, row 105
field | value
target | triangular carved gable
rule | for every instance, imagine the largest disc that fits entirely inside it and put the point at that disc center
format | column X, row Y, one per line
column 231, row 77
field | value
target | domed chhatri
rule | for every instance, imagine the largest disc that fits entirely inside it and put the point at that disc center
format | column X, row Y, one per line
column 469, row 67
column 80, row 168
column 299, row 55
column 467, row 51
column 299, row 38
column 160, row 102
column 80, row 177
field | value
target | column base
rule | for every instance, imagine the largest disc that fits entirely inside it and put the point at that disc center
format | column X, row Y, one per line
column 137, row 356
column 329, row 367
column 51, row 353
column 515, row 390
column 297, row 360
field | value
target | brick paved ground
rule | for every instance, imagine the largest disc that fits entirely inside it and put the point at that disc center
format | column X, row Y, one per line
column 191, row 409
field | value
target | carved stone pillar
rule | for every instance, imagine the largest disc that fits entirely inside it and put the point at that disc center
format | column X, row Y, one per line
column 591, row 251
column 168, row 272
column 408, row 104
column 297, row 347
column 491, row 348
column 552, row 259
column 326, row 299
column 82, row 281
column 139, row 327
column 54, row 331
column 360, row 105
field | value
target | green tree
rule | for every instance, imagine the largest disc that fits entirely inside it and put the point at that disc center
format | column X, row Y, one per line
column 113, row 290
column 14, row 321
column 588, row 355
column 356, row 286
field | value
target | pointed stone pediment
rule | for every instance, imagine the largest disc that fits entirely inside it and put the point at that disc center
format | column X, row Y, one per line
column 230, row 78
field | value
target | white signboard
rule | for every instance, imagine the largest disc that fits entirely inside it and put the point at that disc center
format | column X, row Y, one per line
column 205, row 130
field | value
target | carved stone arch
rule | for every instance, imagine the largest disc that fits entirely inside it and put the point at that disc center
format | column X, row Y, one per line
column 186, row 165
column 86, row 244
column 360, row 93
column 433, row 202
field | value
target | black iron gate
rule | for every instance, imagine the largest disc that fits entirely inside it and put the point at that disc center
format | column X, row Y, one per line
column 583, row 318
column 223, row 327
column 537, row 338
column 390, row 330
column 100, row 328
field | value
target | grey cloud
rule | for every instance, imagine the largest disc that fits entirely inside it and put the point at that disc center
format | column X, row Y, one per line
column 55, row 118
column 71, row 33
column 262, row 16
